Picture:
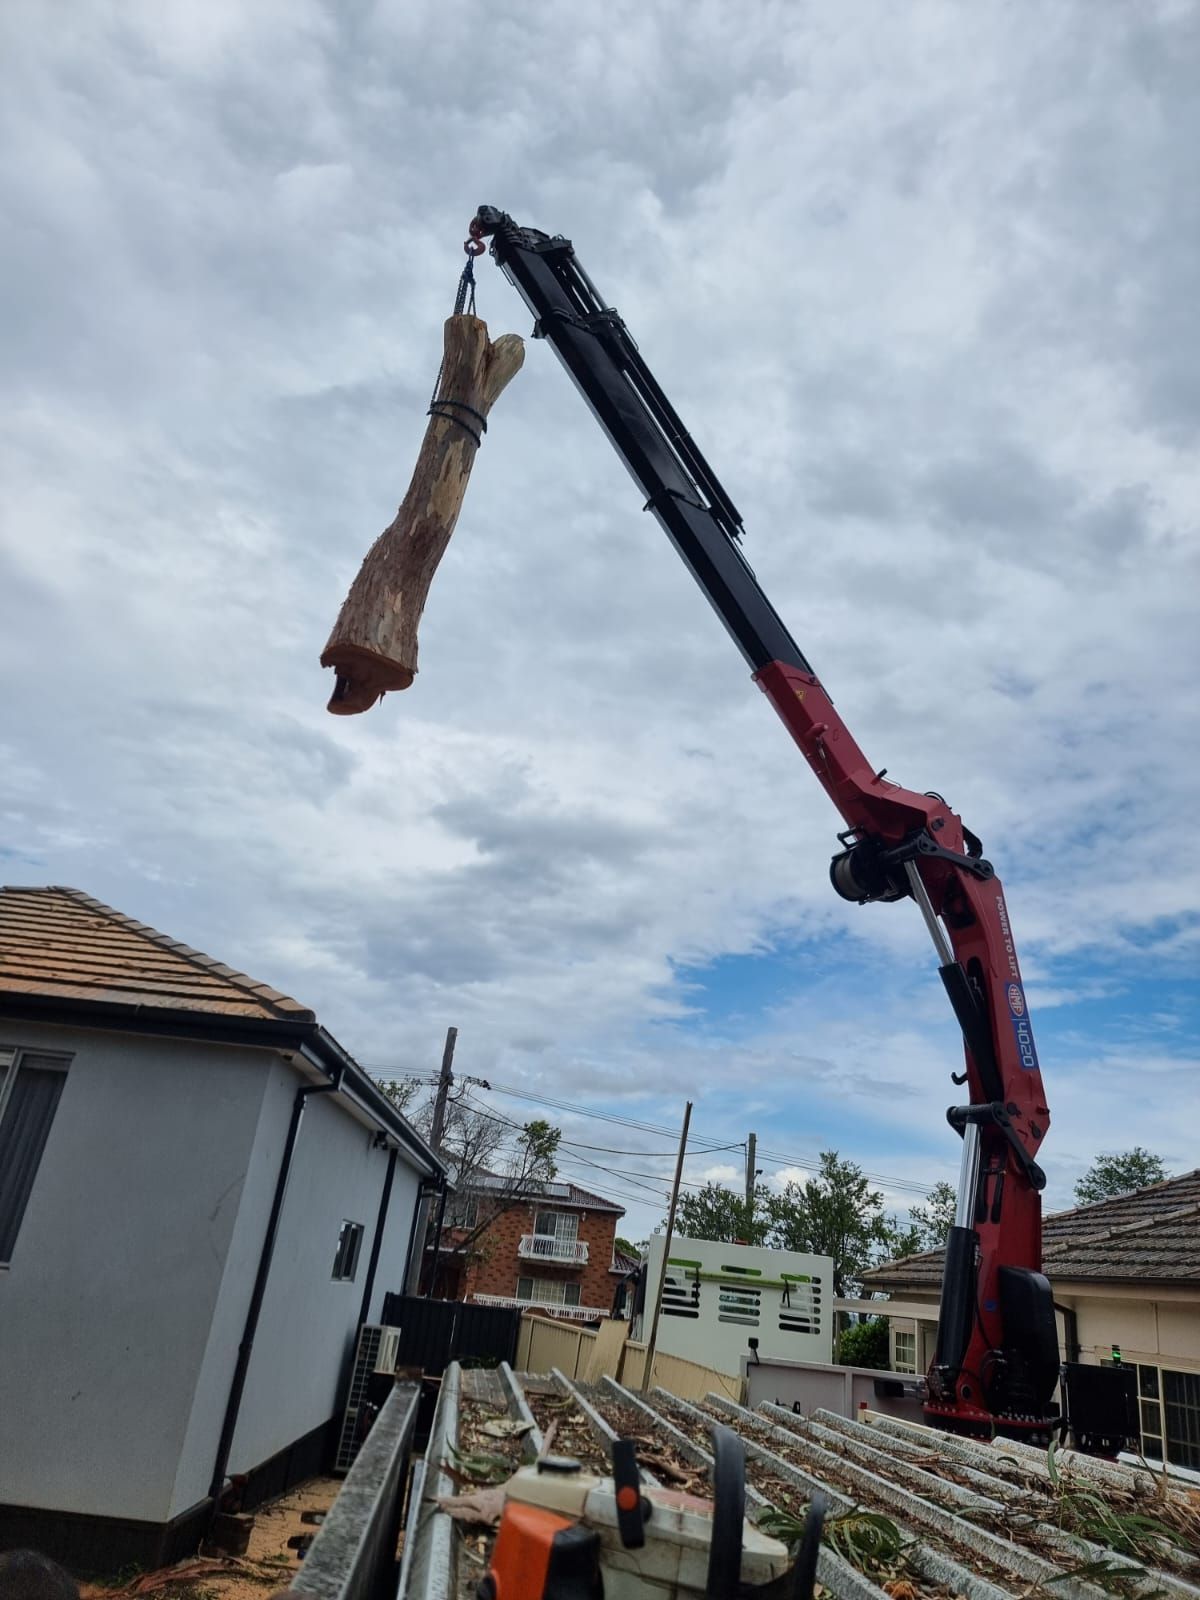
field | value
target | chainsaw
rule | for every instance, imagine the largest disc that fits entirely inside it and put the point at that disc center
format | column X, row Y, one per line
column 566, row 1534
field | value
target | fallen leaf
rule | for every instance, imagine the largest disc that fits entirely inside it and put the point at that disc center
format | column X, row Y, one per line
column 460, row 1479
column 507, row 1428
column 479, row 1469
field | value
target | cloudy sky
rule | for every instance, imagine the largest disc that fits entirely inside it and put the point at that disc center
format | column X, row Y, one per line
column 922, row 281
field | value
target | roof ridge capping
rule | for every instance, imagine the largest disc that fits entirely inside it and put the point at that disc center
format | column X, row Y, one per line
column 284, row 1003
column 1121, row 1199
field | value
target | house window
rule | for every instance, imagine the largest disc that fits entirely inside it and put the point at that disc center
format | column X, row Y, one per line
column 345, row 1262
column 904, row 1351
column 548, row 1291
column 560, row 1225
column 462, row 1212
column 30, row 1086
column 1169, row 1407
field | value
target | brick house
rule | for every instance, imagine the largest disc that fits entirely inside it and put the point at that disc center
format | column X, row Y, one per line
column 554, row 1249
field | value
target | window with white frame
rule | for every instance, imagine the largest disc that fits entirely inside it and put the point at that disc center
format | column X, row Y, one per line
column 30, row 1088
column 548, row 1291
column 904, row 1350
column 1169, row 1408
column 560, row 1225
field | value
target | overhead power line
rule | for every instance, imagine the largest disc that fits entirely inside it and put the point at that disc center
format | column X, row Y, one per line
column 598, row 1166
column 775, row 1158
column 699, row 1144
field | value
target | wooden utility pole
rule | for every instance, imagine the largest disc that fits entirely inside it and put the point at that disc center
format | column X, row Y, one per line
column 751, row 1175
column 662, row 1274
column 436, row 1129
column 445, row 1079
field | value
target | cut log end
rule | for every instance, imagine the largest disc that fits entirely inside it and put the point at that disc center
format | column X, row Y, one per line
column 363, row 678
column 373, row 646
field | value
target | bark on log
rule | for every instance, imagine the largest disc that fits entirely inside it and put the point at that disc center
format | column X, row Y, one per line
column 373, row 646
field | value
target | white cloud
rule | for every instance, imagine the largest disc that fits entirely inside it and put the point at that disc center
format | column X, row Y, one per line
column 918, row 282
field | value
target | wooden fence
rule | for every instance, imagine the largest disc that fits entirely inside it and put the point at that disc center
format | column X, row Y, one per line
column 586, row 1354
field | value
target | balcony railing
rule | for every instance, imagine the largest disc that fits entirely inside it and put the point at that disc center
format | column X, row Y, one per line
column 545, row 1247
column 550, row 1308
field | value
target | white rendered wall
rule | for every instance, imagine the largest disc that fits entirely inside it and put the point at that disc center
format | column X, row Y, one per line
column 106, row 1307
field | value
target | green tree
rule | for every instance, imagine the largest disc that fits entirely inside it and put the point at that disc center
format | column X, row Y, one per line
column 933, row 1220
column 1117, row 1173
column 400, row 1091
column 834, row 1213
column 865, row 1344
column 535, row 1159
column 720, row 1214
column 900, row 1239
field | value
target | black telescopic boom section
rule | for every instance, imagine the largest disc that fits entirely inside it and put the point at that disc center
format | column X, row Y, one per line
column 594, row 345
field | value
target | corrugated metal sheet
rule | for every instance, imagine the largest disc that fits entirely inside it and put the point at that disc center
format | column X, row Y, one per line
column 435, row 1332
column 981, row 1521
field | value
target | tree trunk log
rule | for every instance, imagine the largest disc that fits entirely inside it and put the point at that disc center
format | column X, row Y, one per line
column 373, row 646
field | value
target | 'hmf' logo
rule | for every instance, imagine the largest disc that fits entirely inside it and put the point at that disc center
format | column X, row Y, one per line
column 1016, row 1000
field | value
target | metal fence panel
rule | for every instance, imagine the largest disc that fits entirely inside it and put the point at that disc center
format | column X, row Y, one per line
column 433, row 1333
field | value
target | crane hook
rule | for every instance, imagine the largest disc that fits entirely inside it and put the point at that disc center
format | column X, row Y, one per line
column 475, row 245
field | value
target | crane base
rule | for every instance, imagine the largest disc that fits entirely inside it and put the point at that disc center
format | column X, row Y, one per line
column 1035, row 1431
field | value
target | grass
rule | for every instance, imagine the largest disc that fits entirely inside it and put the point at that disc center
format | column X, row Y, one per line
column 867, row 1540
column 1120, row 1521
column 1129, row 1533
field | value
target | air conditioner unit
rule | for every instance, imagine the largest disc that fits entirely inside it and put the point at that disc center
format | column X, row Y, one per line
column 376, row 1355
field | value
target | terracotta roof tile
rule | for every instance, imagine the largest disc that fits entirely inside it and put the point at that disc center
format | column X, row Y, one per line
column 1152, row 1234
column 624, row 1263
column 60, row 944
column 592, row 1201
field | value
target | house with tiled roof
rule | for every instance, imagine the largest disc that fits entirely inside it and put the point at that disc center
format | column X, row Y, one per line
column 202, row 1199
column 552, row 1247
column 1125, row 1274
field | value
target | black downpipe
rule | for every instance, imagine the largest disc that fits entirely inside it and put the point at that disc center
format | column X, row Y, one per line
column 1070, row 1331
column 424, row 1192
column 236, row 1389
column 437, row 1238
column 639, row 1294
column 377, row 1243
